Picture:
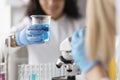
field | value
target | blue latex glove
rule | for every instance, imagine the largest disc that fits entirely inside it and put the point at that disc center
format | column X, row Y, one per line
column 33, row 34
column 78, row 51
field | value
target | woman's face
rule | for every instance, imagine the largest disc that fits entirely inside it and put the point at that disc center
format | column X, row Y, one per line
column 54, row 8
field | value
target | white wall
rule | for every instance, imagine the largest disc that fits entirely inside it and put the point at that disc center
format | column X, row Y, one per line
column 5, row 19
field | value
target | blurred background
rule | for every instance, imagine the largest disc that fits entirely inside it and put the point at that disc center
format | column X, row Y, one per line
column 12, row 11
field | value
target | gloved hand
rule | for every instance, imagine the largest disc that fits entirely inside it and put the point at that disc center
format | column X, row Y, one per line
column 78, row 51
column 33, row 34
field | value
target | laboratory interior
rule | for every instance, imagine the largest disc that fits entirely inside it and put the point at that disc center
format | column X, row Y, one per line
column 59, row 40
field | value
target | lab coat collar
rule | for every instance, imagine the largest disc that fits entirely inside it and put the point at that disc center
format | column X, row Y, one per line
column 59, row 19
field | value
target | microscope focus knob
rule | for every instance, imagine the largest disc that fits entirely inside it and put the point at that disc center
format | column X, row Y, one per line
column 69, row 68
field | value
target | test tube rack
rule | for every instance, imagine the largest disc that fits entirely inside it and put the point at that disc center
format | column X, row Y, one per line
column 39, row 72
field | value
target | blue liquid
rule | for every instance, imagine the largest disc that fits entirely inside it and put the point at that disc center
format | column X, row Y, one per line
column 2, row 76
column 33, row 77
column 46, row 35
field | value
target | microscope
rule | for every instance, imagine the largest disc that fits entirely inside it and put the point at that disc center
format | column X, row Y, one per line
column 66, row 60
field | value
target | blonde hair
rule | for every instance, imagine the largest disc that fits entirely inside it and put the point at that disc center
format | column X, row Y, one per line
column 100, row 32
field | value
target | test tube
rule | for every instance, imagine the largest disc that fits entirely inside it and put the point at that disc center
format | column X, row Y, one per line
column 41, row 72
column 33, row 75
column 45, row 71
column 50, row 71
column 22, row 72
column 19, row 72
column 27, row 72
column 37, row 71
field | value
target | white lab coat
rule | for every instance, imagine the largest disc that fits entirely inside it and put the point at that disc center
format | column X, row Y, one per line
column 59, row 30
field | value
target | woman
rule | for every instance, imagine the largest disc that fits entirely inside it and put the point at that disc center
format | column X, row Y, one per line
column 99, row 40
column 64, row 22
